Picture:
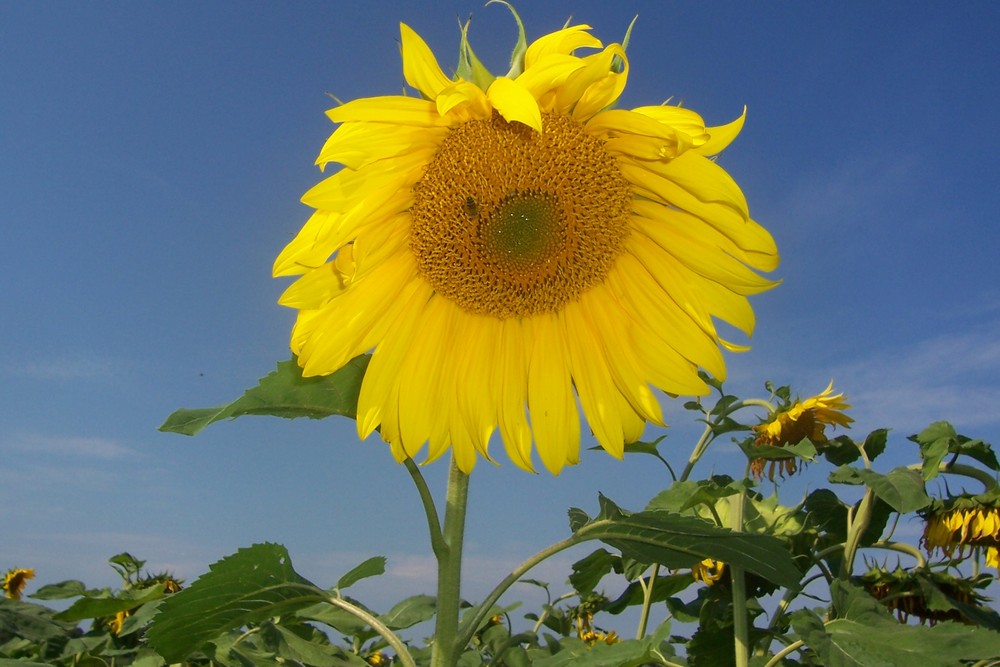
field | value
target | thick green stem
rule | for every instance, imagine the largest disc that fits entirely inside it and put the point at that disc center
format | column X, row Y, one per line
column 857, row 525
column 446, row 646
column 647, row 601
column 741, row 629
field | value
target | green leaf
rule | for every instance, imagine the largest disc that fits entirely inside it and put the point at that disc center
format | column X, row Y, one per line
column 9, row 662
column 840, row 450
column 664, row 587
column 60, row 591
column 97, row 607
column 827, row 513
column 30, row 621
column 901, row 488
column 867, row 635
column 409, row 612
column 307, row 652
column 710, row 491
column 575, row 653
column 372, row 567
column 339, row 619
column 804, row 449
column 283, row 393
column 588, row 571
column 253, row 584
column 875, row 443
column 680, row 541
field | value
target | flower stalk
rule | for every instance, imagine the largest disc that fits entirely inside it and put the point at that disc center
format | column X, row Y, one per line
column 741, row 630
column 449, row 556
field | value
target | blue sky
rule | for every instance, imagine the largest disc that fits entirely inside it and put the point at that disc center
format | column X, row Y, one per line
column 152, row 156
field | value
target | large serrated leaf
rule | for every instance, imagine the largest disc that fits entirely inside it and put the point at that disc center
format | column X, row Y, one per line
column 253, row 584
column 680, row 541
column 901, row 488
column 283, row 393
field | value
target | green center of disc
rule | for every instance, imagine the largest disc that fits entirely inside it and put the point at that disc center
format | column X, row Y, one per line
column 523, row 230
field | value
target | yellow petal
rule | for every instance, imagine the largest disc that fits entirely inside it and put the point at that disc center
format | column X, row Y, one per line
column 390, row 109
column 514, row 103
column 607, row 85
column 420, row 67
column 721, row 136
column 382, row 376
column 463, row 101
column 511, row 380
column 592, row 380
column 560, row 42
column 609, row 322
column 554, row 419
column 548, row 75
column 703, row 248
column 357, row 145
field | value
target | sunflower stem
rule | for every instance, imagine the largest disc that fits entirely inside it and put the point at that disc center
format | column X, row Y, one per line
column 857, row 525
column 741, row 630
column 446, row 647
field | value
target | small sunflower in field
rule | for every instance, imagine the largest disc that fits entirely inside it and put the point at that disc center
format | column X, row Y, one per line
column 802, row 419
column 15, row 580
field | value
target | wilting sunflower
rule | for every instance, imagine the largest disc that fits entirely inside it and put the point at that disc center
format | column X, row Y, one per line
column 961, row 523
column 14, row 582
column 708, row 571
column 802, row 419
column 508, row 245
column 908, row 593
column 590, row 635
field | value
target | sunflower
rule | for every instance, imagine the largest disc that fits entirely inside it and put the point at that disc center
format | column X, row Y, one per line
column 506, row 246
column 961, row 523
column 708, row 571
column 910, row 593
column 800, row 420
column 14, row 582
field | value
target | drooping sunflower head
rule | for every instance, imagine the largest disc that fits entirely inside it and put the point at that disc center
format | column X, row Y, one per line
column 511, row 247
column 799, row 420
column 956, row 525
column 906, row 592
column 15, row 580
column 708, row 571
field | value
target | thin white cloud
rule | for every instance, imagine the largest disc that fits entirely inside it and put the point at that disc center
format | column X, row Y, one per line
column 63, row 369
column 77, row 446
column 951, row 377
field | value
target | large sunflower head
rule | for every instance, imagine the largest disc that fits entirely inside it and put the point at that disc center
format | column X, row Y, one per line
column 509, row 247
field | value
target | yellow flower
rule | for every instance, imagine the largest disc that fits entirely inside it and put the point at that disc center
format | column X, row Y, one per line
column 803, row 419
column 377, row 659
column 590, row 636
column 14, row 582
column 708, row 571
column 503, row 243
column 960, row 524
column 115, row 624
column 993, row 558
